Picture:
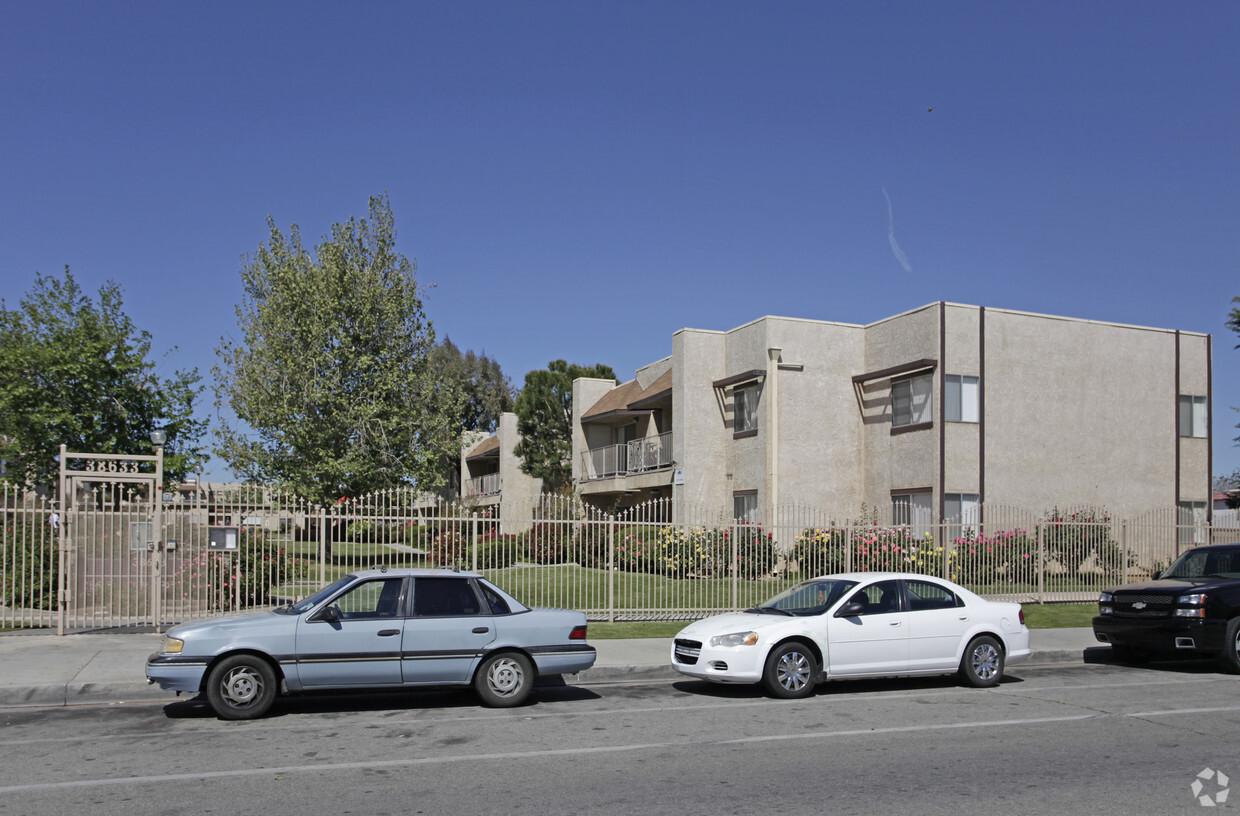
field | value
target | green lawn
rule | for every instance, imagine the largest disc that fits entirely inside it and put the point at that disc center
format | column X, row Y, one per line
column 1037, row 616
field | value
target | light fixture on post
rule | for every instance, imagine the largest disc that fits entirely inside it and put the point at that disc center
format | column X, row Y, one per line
column 159, row 437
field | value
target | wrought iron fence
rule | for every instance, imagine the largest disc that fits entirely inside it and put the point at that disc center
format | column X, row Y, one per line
column 216, row 552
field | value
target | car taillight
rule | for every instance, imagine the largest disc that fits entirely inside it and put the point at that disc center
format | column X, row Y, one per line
column 1022, row 616
column 578, row 633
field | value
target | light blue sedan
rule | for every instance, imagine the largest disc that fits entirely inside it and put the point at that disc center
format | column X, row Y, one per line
column 379, row 628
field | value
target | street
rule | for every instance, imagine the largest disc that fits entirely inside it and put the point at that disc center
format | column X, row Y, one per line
column 1057, row 739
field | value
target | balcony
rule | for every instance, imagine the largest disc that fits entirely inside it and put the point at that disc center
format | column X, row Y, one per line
column 639, row 456
column 488, row 485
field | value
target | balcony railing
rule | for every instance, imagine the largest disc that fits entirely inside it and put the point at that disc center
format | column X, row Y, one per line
column 488, row 485
column 639, row 456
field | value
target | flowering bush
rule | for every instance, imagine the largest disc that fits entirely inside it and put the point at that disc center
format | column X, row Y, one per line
column 755, row 550
column 682, row 552
column 448, row 548
column 249, row 573
column 1082, row 543
column 863, row 549
column 1008, row 555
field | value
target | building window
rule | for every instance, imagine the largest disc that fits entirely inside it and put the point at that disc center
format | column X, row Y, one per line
column 1192, row 416
column 960, row 400
column 913, row 510
column 961, row 513
column 910, row 401
column 745, row 407
column 745, row 505
column 1192, row 523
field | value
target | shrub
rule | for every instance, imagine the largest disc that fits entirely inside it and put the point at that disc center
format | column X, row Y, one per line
column 29, row 562
column 1007, row 555
column 755, row 550
column 681, row 552
column 551, row 543
column 250, row 573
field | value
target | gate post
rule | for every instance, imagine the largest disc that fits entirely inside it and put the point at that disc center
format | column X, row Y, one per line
column 62, row 591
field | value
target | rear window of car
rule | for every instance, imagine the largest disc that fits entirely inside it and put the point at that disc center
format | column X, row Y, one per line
column 444, row 597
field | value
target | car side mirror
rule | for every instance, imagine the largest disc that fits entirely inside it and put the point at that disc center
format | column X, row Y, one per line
column 331, row 614
column 1157, row 575
column 850, row 610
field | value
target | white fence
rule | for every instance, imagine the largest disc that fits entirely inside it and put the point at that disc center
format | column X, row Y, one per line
column 112, row 564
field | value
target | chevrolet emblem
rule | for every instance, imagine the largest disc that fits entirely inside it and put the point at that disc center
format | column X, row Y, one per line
column 1139, row 605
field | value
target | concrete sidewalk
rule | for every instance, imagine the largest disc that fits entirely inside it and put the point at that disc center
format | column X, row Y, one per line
column 46, row 670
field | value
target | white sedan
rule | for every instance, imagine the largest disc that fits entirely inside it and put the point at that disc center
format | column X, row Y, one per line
column 855, row 625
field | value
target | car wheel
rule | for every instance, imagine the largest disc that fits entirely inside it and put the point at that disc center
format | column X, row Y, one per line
column 241, row 687
column 504, row 680
column 1229, row 657
column 982, row 664
column 790, row 672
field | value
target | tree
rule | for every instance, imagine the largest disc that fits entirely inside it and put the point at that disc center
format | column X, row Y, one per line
column 545, row 420
column 332, row 373
column 486, row 391
column 77, row 371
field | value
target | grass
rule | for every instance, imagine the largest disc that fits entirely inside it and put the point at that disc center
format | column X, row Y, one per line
column 1037, row 616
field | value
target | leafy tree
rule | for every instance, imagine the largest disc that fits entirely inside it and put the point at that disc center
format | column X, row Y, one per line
column 77, row 371
column 333, row 373
column 544, row 411
column 487, row 392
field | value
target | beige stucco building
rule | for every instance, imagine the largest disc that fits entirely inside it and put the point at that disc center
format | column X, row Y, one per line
column 934, row 411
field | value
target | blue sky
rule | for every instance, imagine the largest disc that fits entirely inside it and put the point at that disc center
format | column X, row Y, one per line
column 581, row 179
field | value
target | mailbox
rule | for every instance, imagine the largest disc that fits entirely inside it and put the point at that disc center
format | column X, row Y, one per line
column 222, row 538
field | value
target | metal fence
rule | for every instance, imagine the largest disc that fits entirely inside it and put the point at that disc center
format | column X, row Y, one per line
column 118, row 560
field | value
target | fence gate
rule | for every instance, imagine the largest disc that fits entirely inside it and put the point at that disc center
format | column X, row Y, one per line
column 111, row 541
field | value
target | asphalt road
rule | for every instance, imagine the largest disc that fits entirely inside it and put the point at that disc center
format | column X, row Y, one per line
column 1096, row 739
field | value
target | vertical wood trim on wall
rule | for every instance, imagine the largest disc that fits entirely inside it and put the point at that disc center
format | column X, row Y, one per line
column 1178, row 442
column 1210, row 426
column 942, row 401
column 981, row 406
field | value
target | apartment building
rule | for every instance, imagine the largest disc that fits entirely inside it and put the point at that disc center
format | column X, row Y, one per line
column 491, row 474
column 929, row 412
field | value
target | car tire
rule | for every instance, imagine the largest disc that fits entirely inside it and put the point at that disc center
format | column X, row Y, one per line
column 790, row 672
column 982, row 664
column 241, row 687
column 504, row 680
column 1229, row 657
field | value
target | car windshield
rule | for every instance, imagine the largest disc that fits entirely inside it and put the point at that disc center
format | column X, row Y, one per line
column 306, row 604
column 1206, row 563
column 806, row 598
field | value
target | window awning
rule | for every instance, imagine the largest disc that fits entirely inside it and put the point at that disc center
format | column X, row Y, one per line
column 915, row 367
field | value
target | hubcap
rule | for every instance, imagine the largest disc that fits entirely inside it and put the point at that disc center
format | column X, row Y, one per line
column 985, row 661
column 242, row 686
column 505, row 677
column 792, row 671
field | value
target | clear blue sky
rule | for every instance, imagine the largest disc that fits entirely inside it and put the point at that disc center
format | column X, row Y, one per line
column 581, row 179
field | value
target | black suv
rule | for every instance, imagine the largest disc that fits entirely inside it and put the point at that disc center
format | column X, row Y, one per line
column 1190, row 608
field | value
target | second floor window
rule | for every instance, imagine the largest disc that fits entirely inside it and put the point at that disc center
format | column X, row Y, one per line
column 745, row 408
column 960, row 402
column 911, row 401
column 1192, row 416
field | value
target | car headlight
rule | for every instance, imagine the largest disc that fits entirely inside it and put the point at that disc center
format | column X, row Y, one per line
column 172, row 646
column 1105, row 597
column 735, row 639
column 1196, row 600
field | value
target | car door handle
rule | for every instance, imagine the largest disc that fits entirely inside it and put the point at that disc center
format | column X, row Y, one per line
column 895, row 623
column 964, row 617
column 481, row 630
column 388, row 632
